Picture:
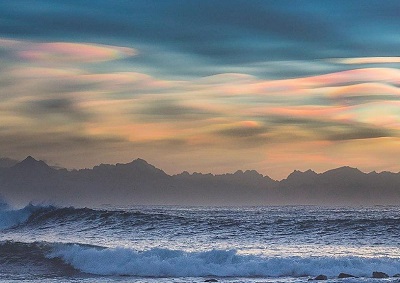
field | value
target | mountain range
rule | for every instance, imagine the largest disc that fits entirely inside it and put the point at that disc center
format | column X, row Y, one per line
column 140, row 183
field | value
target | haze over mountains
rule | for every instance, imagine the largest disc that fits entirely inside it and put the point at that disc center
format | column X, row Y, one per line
column 139, row 182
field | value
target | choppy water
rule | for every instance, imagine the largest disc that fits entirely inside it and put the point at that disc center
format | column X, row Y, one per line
column 188, row 244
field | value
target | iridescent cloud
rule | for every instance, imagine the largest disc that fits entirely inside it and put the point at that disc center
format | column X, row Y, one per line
column 52, row 95
column 66, row 51
column 367, row 60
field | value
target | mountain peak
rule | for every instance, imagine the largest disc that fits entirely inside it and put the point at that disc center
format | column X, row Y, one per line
column 30, row 159
column 297, row 173
column 31, row 163
column 27, row 162
column 299, row 177
column 140, row 165
column 140, row 161
column 344, row 170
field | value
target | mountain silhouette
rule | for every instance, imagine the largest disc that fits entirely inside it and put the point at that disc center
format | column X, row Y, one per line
column 32, row 166
column 139, row 182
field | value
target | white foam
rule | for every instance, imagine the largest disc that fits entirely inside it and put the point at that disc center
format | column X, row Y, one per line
column 175, row 263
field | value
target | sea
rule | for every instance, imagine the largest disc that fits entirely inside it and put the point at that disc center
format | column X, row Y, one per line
column 175, row 244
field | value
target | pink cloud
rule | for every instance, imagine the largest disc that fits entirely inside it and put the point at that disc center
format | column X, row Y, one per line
column 78, row 52
column 70, row 52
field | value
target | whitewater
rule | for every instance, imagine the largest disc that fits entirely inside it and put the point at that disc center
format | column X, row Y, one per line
column 40, row 243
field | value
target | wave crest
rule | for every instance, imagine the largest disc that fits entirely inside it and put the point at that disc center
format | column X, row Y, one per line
column 67, row 258
column 10, row 218
column 35, row 216
column 221, row 263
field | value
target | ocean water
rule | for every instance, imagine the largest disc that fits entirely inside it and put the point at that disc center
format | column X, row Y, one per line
column 192, row 244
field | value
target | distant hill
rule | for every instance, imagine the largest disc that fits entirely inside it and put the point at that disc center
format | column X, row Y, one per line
column 139, row 182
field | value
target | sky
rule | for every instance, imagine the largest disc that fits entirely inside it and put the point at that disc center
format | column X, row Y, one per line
column 202, row 86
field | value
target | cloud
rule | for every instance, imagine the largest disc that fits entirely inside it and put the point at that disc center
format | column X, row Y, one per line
column 66, row 52
column 302, row 87
column 169, row 110
column 354, row 132
column 363, row 93
column 330, row 129
column 54, row 80
column 78, row 52
column 144, row 108
column 235, row 81
column 126, row 84
column 245, row 129
column 53, row 107
column 366, row 60
column 327, row 129
column 8, row 43
column 230, row 32
column 40, row 72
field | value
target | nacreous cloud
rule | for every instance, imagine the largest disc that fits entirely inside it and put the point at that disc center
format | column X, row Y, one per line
column 66, row 51
column 367, row 60
column 53, row 95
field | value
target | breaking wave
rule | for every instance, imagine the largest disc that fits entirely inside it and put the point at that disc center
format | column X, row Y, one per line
column 176, row 263
column 47, row 257
column 221, row 263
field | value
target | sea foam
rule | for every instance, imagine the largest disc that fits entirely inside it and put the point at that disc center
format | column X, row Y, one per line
column 222, row 263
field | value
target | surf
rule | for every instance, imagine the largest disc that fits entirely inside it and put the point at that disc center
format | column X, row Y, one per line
column 168, row 263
